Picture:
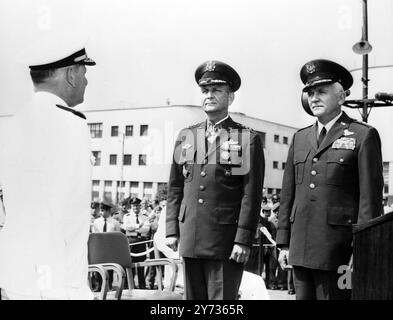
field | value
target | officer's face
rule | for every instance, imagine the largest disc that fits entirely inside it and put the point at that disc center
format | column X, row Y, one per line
column 136, row 208
column 80, row 83
column 216, row 99
column 325, row 101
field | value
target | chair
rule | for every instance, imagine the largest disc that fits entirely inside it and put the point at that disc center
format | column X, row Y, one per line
column 110, row 250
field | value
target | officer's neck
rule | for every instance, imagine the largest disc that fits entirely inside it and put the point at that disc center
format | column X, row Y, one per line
column 217, row 118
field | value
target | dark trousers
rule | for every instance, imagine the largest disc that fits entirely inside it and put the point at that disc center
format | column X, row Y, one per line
column 313, row 284
column 207, row 279
column 270, row 263
column 138, row 248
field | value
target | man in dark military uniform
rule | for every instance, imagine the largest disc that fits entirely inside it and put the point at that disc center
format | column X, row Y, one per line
column 215, row 191
column 333, row 179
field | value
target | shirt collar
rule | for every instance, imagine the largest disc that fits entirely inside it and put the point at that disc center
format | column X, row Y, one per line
column 330, row 124
column 218, row 122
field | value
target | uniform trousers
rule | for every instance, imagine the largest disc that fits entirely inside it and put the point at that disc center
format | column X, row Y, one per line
column 138, row 248
column 207, row 279
column 314, row 284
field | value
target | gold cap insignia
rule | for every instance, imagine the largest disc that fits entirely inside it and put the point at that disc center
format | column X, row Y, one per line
column 210, row 66
column 310, row 67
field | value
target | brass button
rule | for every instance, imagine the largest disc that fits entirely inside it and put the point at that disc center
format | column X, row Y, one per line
column 315, row 160
column 202, row 187
column 312, row 186
column 203, row 173
column 349, row 221
column 200, row 201
column 313, row 173
column 341, row 160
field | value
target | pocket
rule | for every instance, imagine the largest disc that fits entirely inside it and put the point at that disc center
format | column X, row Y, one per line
column 337, row 164
column 182, row 213
column 299, row 162
column 340, row 216
column 227, row 215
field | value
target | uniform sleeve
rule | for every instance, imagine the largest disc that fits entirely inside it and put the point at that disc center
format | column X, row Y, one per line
column 287, row 198
column 175, row 194
column 370, row 177
column 252, row 193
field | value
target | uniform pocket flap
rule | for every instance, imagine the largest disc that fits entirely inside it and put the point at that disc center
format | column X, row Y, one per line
column 301, row 156
column 339, row 157
column 182, row 212
column 340, row 216
column 226, row 215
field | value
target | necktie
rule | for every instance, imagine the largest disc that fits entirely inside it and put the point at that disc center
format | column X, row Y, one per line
column 104, row 229
column 322, row 136
column 137, row 219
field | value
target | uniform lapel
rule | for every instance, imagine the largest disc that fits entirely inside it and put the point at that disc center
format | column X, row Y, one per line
column 200, row 142
column 312, row 136
column 335, row 132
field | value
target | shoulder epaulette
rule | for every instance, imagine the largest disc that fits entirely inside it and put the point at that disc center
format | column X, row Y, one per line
column 75, row 112
column 305, row 128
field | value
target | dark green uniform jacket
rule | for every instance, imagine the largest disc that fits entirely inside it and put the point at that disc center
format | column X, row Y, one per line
column 214, row 195
column 328, row 189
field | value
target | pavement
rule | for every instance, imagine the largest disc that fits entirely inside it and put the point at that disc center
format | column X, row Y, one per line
column 280, row 295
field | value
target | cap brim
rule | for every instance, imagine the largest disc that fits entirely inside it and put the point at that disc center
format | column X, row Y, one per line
column 316, row 83
column 88, row 62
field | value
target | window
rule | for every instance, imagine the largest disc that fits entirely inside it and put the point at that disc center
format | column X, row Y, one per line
column 144, row 129
column 127, row 159
column 275, row 164
column 97, row 158
column 95, row 195
column 96, row 183
column 269, row 190
column 129, row 131
column 142, row 159
column 386, row 189
column 113, row 159
column 278, row 191
column 123, row 183
column 108, row 195
column 283, row 165
column 277, row 138
column 95, row 130
column 134, row 184
column 108, row 183
column 114, row 131
column 147, row 185
column 262, row 135
column 285, row 140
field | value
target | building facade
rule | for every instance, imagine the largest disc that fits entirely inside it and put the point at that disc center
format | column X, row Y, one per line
column 133, row 148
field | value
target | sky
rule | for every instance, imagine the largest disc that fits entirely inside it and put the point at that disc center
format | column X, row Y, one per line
column 147, row 50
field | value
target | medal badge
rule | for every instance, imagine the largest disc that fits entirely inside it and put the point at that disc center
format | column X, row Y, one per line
column 344, row 143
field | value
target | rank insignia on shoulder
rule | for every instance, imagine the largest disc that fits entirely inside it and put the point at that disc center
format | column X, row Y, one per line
column 344, row 143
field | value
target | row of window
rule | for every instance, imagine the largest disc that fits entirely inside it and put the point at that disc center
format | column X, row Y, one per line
column 277, row 139
column 133, row 184
column 276, row 165
column 127, row 159
column 97, row 128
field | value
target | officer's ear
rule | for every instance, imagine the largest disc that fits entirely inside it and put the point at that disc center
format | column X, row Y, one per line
column 70, row 76
column 231, row 97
